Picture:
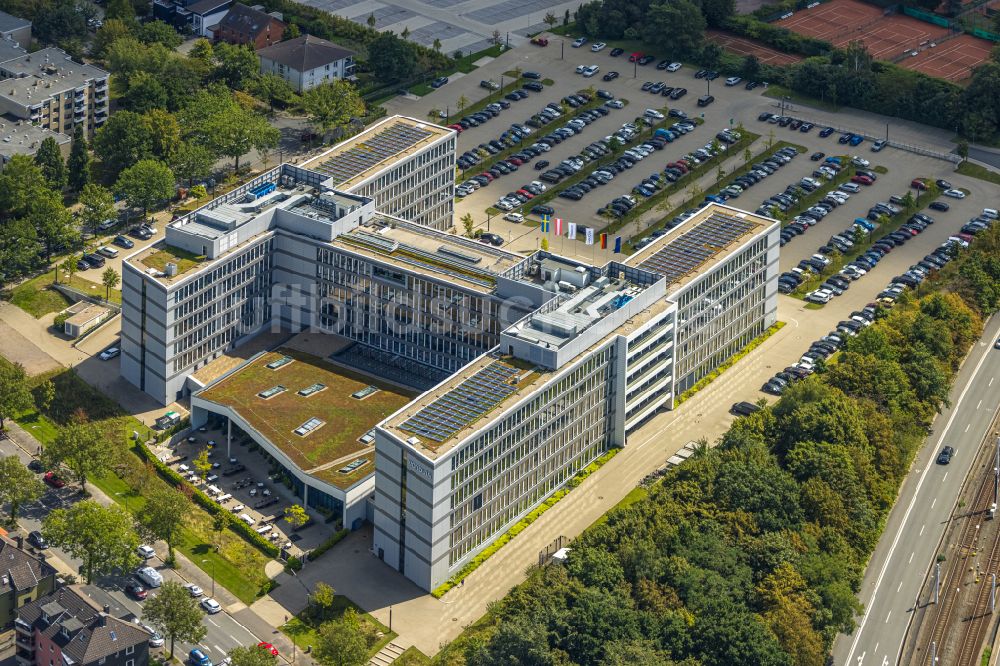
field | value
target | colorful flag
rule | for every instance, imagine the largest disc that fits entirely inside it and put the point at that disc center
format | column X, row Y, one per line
column 590, row 236
column 558, row 226
column 618, row 244
column 571, row 234
column 604, row 241
column 546, row 222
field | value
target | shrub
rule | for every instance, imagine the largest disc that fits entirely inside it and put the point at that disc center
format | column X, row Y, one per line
column 336, row 538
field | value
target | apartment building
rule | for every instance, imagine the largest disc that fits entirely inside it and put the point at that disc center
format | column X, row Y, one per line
column 435, row 386
column 51, row 91
column 15, row 29
column 249, row 26
column 20, row 137
column 406, row 165
column 24, row 577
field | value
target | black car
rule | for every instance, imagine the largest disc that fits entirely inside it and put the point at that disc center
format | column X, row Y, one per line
column 541, row 164
column 744, row 408
column 533, row 85
column 663, row 64
column 700, row 74
column 122, row 241
column 939, row 205
column 36, row 465
column 492, row 239
column 543, row 210
column 646, row 59
column 36, row 539
column 816, row 157
column 943, row 184
column 946, row 455
column 438, row 82
column 711, row 75
column 531, row 75
column 826, row 131
column 615, row 52
column 765, row 116
column 678, row 93
column 751, row 85
column 95, row 260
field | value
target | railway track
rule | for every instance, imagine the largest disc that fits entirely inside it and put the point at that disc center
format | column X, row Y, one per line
column 961, row 618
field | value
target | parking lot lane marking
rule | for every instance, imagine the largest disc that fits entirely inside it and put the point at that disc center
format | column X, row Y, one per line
column 862, row 658
column 991, row 382
column 900, row 586
column 944, row 477
column 221, row 651
column 235, row 640
column 934, row 502
column 213, row 621
column 968, row 425
column 876, row 648
column 980, row 404
column 922, row 530
column 885, row 660
column 911, row 557
column 887, row 617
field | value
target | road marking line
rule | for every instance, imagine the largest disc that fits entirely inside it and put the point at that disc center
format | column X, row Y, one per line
column 911, row 557
column 922, row 530
column 944, row 477
column 221, row 651
column 213, row 621
column 876, row 648
column 235, row 640
column 861, row 658
column 991, row 382
column 980, row 404
column 898, row 588
column 934, row 502
column 887, row 617
column 885, row 660
column 967, row 427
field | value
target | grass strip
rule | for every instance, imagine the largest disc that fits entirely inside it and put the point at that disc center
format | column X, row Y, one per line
column 305, row 627
column 977, row 171
column 37, row 297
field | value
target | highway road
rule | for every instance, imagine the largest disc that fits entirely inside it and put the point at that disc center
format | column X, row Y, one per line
column 224, row 631
column 909, row 544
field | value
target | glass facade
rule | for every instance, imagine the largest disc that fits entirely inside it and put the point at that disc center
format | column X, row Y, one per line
column 421, row 190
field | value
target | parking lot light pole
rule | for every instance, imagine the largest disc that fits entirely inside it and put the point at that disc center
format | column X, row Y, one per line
column 562, row 49
column 213, row 575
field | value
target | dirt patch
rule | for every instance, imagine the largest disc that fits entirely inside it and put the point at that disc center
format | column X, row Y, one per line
column 20, row 349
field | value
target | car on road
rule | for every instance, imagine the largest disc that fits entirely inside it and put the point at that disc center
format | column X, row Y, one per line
column 198, row 658
column 135, row 590
column 194, row 590
column 954, row 194
column 211, row 606
column 946, row 455
column 146, row 552
column 53, row 480
column 997, row 345
column 267, row 646
column 110, row 353
column 673, row 67
column 439, row 81
column 36, row 539
column 599, row 46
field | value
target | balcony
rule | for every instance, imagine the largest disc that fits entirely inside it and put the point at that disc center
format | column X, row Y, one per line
column 101, row 86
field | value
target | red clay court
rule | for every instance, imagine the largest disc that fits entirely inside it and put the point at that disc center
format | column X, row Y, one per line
column 953, row 60
column 843, row 21
column 743, row 47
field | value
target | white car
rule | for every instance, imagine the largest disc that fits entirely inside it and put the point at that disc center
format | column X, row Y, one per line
column 614, row 104
column 954, row 194
column 673, row 67
column 503, row 205
column 597, row 47
column 194, row 590
column 146, row 552
column 733, row 80
column 580, row 68
column 590, row 71
column 653, row 113
column 514, row 217
column 211, row 606
column 110, row 353
column 860, row 161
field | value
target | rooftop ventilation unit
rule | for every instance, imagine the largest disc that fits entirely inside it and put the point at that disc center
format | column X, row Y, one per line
column 171, row 269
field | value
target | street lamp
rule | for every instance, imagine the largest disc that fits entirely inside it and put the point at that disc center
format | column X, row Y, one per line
column 213, row 574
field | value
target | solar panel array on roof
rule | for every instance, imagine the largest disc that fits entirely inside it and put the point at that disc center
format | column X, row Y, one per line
column 464, row 404
column 689, row 251
column 361, row 157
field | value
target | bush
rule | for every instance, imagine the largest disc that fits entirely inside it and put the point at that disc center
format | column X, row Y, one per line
column 730, row 362
column 336, row 538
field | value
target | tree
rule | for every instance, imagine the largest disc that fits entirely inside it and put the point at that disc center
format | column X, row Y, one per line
column 496, row 37
column 391, row 58
column 272, row 88
column 18, row 252
column 220, row 522
column 112, row 30
column 202, row 50
column 333, row 105
column 110, row 279
column 252, row 655
column 15, row 394
column 566, row 18
column 405, row 34
column 103, row 537
column 21, row 182
column 191, row 162
column 46, row 392
column 97, row 205
column 468, row 224
column 462, row 102
column 342, row 642
column 291, row 32
column 322, row 597
column 175, row 613
column 202, row 464
column 238, row 65
column 18, row 485
column 747, row 155
column 436, row 45
column 371, row 20
column 163, row 516
column 124, row 140
column 78, row 165
column 145, row 93
column 550, row 19
column 146, row 184
column 216, row 120
column 52, row 222
column 122, row 10
column 962, row 150
column 296, row 516
column 678, row 26
column 50, row 160
column 164, row 131
column 158, row 32
column 750, row 67
column 82, row 448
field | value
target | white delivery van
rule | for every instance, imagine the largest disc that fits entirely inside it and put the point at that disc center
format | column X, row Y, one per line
column 150, row 576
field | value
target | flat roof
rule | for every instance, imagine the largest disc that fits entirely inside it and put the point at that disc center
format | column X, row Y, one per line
column 430, row 252
column 705, row 239
column 19, row 137
column 333, row 442
column 35, row 77
column 153, row 259
column 352, row 161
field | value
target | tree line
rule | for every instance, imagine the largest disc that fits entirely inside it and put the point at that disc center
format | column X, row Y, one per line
column 848, row 76
column 752, row 552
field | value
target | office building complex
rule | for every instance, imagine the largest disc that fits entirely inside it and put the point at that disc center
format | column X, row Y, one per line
column 51, row 91
column 433, row 385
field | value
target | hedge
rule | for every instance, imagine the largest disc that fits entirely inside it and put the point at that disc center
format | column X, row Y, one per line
column 777, row 37
column 522, row 524
column 334, row 539
column 730, row 362
column 175, row 479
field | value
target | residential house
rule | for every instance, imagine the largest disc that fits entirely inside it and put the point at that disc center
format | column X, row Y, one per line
column 23, row 578
column 65, row 628
column 199, row 16
column 307, row 61
column 249, row 25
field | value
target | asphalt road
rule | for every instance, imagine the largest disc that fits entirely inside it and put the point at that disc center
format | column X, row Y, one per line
column 224, row 632
column 916, row 524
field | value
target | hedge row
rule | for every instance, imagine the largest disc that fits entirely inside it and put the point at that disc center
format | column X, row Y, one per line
column 522, row 524
column 334, row 539
column 776, row 36
column 730, row 362
column 175, row 479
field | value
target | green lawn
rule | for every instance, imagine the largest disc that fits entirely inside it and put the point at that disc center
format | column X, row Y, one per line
column 412, row 657
column 421, row 89
column 303, row 629
column 464, row 64
column 977, row 171
column 37, row 298
column 637, row 494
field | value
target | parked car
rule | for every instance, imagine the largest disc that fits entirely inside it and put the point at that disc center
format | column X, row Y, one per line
column 211, row 606
column 110, row 353
column 198, row 658
column 939, row 205
column 36, row 539
column 53, row 480
column 954, row 194
column 135, row 590
column 578, row 42
column 438, row 82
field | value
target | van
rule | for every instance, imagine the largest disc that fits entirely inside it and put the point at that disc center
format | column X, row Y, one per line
column 991, row 213
column 705, row 100
column 109, row 252
column 150, row 576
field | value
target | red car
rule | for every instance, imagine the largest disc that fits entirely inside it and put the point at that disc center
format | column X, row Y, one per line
column 137, row 591
column 540, row 41
column 918, row 184
column 53, row 480
column 270, row 648
column 863, row 180
column 456, row 127
column 635, row 57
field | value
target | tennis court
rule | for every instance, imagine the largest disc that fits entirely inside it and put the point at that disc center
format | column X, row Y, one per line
column 954, row 60
column 843, row 21
column 744, row 47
